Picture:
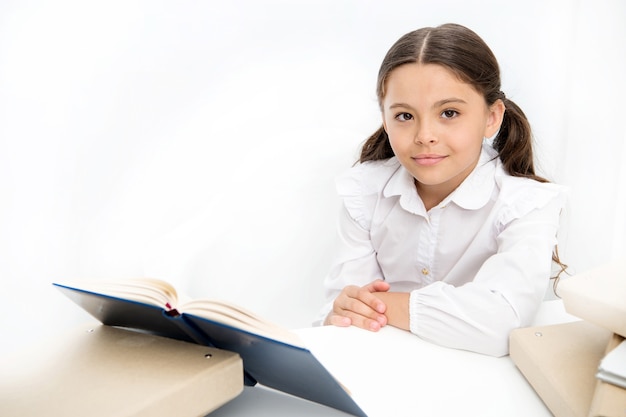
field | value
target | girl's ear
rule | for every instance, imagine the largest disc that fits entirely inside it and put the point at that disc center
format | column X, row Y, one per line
column 494, row 120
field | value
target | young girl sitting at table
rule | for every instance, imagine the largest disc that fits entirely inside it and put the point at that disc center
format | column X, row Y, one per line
column 445, row 229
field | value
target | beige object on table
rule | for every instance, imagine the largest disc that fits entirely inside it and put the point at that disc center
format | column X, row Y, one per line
column 598, row 296
column 106, row 371
column 560, row 361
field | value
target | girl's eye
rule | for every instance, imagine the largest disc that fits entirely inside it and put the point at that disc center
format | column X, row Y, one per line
column 403, row 117
column 449, row 114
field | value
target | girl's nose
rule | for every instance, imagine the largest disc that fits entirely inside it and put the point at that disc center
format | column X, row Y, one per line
column 425, row 135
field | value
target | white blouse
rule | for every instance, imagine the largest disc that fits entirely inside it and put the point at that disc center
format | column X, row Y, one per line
column 477, row 265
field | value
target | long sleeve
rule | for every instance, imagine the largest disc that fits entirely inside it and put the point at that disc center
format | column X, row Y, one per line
column 503, row 295
column 355, row 261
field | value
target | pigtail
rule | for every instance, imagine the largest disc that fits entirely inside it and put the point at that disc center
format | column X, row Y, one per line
column 514, row 142
column 514, row 146
column 376, row 147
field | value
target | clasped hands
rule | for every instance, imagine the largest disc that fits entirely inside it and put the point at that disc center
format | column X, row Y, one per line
column 370, row 307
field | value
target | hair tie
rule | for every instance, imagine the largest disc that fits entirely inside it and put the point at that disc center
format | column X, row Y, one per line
column 501, row 95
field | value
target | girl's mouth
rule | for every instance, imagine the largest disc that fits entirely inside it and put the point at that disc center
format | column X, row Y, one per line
column 428, row 160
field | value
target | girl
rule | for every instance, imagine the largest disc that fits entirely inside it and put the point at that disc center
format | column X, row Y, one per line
column 444, row 232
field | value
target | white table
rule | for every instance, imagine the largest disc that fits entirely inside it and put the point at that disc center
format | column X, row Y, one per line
column 394, row 373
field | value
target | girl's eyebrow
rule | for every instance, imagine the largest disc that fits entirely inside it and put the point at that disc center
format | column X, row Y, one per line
column 448, row 101
column 439, row 103
column 394, row 105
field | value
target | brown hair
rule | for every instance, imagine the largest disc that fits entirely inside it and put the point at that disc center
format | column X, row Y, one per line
column 464, row 53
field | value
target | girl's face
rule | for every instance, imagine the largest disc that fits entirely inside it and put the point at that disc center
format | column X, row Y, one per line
column 436, row 124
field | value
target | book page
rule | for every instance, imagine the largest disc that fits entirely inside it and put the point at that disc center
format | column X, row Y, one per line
column 144, row 290
column 238, row 317
column 160, row 293
column 612, row 368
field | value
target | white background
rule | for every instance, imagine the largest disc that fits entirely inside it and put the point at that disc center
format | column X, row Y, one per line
column 198, row 141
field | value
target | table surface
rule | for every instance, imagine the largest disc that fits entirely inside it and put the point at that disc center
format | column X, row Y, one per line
column 395, row 373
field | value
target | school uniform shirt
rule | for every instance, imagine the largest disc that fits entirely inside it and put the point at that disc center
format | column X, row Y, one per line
column 476, row 266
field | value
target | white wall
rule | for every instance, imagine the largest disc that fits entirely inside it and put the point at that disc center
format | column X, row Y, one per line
column 197, row 141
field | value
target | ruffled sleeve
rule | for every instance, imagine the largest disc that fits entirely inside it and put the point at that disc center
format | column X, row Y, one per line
column 360, row 187
column 520, row 196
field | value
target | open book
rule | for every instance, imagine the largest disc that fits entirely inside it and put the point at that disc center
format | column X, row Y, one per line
column 272, row 355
